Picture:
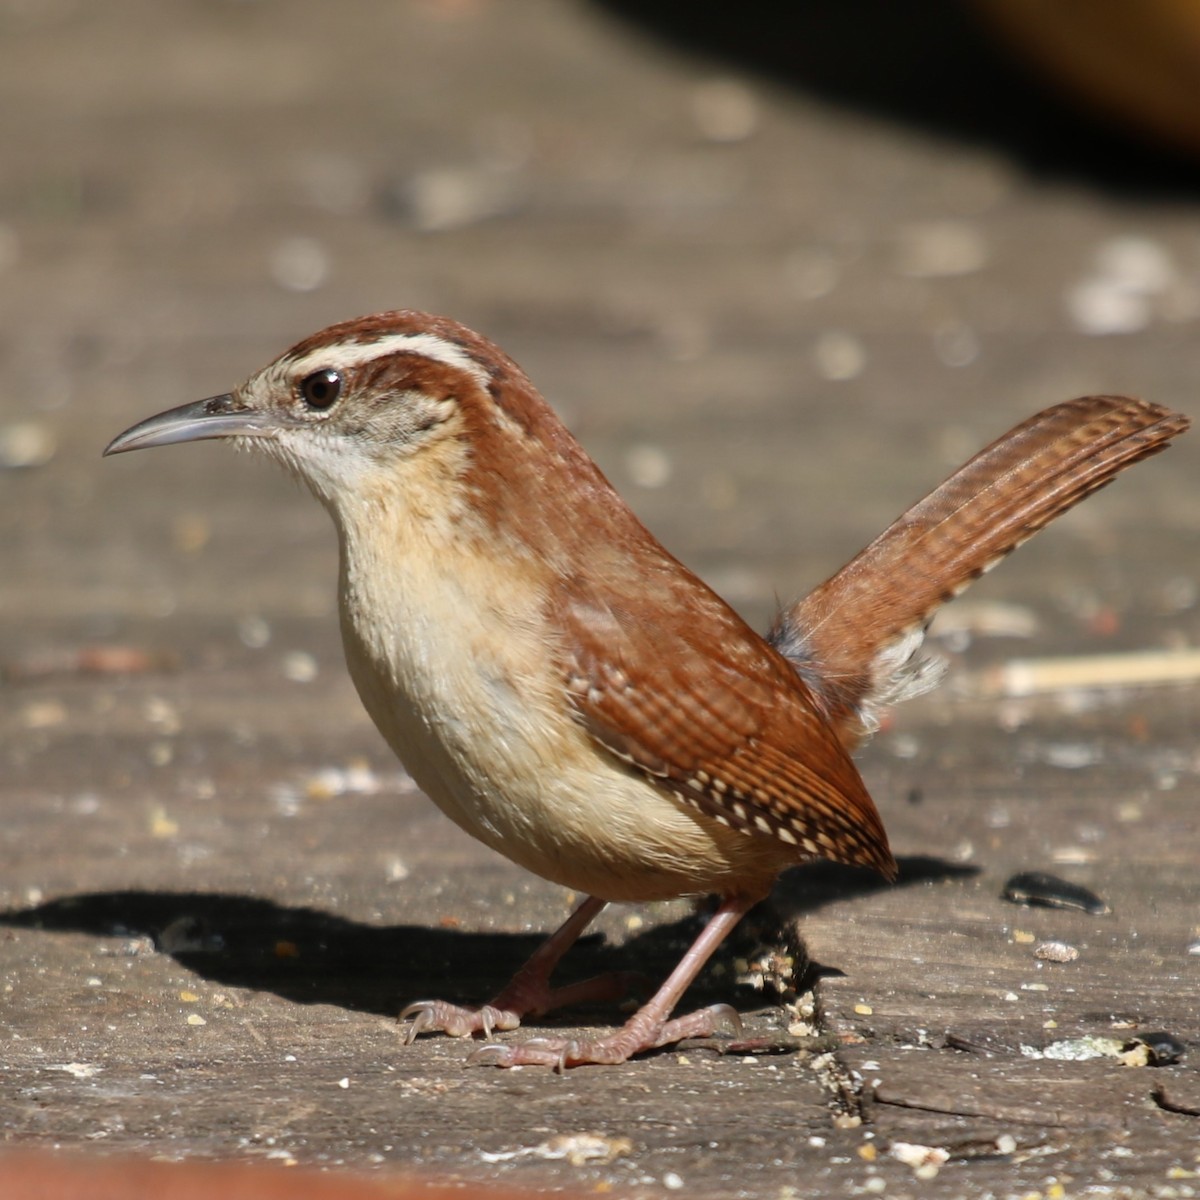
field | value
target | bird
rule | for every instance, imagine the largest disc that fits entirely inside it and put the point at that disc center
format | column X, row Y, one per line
column 567, row 691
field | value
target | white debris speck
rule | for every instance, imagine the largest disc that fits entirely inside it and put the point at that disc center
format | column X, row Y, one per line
column 1137, row 263
column 575, row 1148
column 839, row 356
column 1118, row 295
column 444, row 198
column 299, row 667
column 78, row 1070
column 1098, row 307
column 1059, row 952
column 344, row 1083
column 43, row 714
column 299, row 264
column 904, row 745
column 254, row 632
column 919, row 1157
column 355, row 779
column 1076, row 1049
column 648, row 466
column 25, row 444
column 1071, row 756
column 196, row 1019
column 672, row 1181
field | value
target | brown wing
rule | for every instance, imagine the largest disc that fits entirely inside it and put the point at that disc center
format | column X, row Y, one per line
column 697, row 701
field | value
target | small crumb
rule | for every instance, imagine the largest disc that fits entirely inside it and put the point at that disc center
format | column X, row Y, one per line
column 299, row 667
column 1022, row 937
column 344, row 1083
column 43, row 714
column 284, row 949
column 847, row 1121
column 188, row 997
column 863, row 1010
column 875, row 1185
column 191, row 532
column 26, row 444
column 196, row 1019
column 79, row 1070
column 868, row 1152
column 254, row 632
column 634, row 921
column 161, row 825
column 925, row 1160
column 648, row 466
column 160, row 754
column 1059, row 952
column 839, row 356
column 672, row 1181
column 299, row 264
column 581, row 1148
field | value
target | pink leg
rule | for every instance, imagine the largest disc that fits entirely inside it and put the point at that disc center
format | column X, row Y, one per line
column 651, row 1025
column 528, row 993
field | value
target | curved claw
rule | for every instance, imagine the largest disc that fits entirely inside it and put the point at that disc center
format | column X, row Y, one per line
column 494, row 1054
column 421, row 1015
column 437, row 1016
column 537, row 1052
column 727, row 1015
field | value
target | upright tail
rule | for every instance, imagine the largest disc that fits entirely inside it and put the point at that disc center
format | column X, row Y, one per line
column 855, row 638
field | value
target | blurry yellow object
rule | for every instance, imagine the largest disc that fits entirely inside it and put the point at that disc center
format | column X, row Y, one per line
column 1136, row 60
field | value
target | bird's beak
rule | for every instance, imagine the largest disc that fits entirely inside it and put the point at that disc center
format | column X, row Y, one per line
column 217, row 417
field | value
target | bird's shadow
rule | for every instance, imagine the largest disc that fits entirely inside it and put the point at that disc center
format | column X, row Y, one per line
column 936, row 65
column 312, row 957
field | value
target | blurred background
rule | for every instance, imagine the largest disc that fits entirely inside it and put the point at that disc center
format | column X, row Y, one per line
column 779, row 271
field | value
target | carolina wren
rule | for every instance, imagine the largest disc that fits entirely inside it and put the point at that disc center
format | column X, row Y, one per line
column 569, row 693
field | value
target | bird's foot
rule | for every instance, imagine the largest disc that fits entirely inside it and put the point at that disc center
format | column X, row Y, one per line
column 439, row 1016
column 643, row 1031
column 523, row 997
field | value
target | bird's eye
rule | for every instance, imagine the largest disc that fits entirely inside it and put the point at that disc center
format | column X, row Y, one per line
column 321, row 389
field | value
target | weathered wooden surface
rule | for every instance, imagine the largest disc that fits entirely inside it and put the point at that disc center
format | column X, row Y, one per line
column 774, row 322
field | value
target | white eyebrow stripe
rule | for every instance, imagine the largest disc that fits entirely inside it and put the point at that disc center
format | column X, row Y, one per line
column 346, row 356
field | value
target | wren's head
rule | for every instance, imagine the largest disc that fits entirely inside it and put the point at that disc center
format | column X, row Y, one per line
column 362, row 403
